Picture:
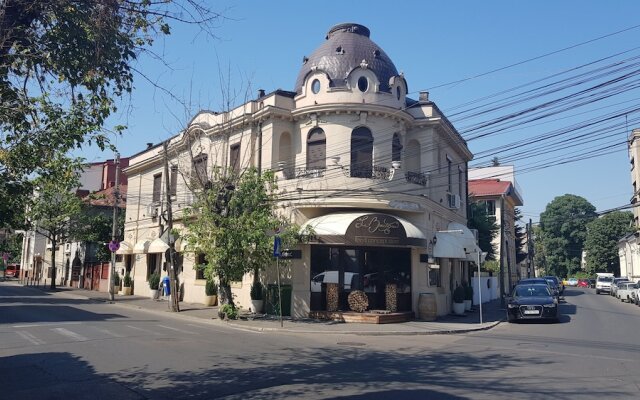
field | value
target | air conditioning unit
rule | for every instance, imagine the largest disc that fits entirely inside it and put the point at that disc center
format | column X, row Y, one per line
column 454, row 200
column 153, row 210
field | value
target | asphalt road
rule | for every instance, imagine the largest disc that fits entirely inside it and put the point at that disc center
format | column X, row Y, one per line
column 56, row 347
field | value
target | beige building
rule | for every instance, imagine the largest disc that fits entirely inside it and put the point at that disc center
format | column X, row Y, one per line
column 629, row 246
column 381, row 178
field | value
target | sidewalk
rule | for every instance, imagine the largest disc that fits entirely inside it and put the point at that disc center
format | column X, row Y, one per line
column 449, row 324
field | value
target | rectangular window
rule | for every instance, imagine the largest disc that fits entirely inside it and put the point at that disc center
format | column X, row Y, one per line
column 201, row 260
column 157, row 187
column 461, row 183
column 199, row 170
column 491, row 207
column 434, row 277
column 174, row 180
column 152, row 264
column 234, row 159
column 449, row 175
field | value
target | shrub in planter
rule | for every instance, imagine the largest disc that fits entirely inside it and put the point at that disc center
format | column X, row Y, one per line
column 154, row 281
column 126, row 281
column 468, row 293
column 116, row 280
column 257, row 291
column 210, row 288
column 458, row 295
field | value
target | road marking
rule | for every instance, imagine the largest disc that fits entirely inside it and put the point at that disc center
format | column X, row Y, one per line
column 143, row 330
column 75, row 336
column 108, row 332
column 178, row 330
column 30, row 338
column 45, row 324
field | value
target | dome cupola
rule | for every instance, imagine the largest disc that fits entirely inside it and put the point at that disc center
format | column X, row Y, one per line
column 347, row 47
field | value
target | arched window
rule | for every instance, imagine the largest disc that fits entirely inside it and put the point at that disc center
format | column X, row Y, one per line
column 316, row 149
column 361, row 153
column 396, row 148
column 412, row 156
column 284, row 155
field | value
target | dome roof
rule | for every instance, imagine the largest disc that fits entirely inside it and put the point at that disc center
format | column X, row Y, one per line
column 346, row 47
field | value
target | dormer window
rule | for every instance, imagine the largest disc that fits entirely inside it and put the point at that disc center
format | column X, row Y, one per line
column 376, row 53
column 315, row 86
column 339, row 50
column 363, row 84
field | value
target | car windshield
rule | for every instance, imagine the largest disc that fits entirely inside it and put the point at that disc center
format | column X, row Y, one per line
column 532, row 291
column 605, row 279
column 551, row 279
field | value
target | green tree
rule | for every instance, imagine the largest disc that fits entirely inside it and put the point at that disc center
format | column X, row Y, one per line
column 539, row 259
column 13, row 247
column 486, row 226
column 55, row 205
column 601, row 244
column 63, row 66
column 229, row 222
column 564, row 230
column 521, row 237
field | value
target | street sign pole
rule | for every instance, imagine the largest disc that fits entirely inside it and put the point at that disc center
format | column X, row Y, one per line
column 277, row 254
column 114, row 230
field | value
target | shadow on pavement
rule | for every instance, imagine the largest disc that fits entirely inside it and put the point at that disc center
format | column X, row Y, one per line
column 49, row 313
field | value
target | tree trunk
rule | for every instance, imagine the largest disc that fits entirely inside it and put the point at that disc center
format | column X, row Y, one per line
column 53, row 265
column 225, row 292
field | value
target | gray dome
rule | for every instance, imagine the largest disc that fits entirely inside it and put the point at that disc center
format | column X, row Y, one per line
column 346, row 46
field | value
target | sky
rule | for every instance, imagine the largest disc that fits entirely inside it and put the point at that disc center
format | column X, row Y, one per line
column 482, row 63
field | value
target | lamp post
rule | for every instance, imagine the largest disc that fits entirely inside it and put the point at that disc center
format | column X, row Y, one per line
column 480, row 256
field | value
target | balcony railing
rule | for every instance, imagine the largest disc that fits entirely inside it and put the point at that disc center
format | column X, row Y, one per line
column 418, row 178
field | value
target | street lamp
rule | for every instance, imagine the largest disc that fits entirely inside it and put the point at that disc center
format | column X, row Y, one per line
column 481, row 256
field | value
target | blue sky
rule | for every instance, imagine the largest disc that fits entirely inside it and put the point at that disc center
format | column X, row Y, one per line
column 261, row 44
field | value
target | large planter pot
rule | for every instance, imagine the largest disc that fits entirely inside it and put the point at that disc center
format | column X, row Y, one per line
column 154, row 294
column 458, row 308
column 126, row 290
column 467, row 305
column 210, row 300
column 257, row 305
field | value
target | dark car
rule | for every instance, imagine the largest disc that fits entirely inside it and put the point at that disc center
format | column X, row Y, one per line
column 557, row 282
column 555, row 291
column 532, row 302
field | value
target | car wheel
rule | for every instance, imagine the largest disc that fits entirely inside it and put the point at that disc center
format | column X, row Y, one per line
column 597, row 291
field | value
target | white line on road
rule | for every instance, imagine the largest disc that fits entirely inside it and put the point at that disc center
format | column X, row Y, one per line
column 46, row 324
column 30, row 338
column 142, row 330
column 70, row 334
column 178, row 330
column 108, row 332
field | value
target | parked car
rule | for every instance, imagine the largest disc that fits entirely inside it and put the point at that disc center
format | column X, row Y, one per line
column 572, row 282
column 624, row 292
column 603, row 282
column 532, row 301
column 592, row 282
column 583, row 283
column 557, row 282
column 636, row 294
column 614, row 284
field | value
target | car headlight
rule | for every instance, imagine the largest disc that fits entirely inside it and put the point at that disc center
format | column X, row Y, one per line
column 512, row 305
column 549, row 305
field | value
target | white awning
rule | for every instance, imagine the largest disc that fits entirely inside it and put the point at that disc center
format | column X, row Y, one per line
column 456, row 242
column 448, row 245
column 141, row 247
column 158, row 246
column 125, row 248
column 334, row 227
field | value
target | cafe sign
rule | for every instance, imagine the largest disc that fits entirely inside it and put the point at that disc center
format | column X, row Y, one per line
column 376, row 230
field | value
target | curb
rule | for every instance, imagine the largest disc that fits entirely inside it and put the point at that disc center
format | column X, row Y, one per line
column 257, row 329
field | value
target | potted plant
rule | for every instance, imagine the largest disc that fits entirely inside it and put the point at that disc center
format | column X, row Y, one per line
column 468, row 297
column 211, row 293
column 458, row 301
column 126, row 284
column 257, row 297
column 154, row 284
column 228, row 311
column 116, row 282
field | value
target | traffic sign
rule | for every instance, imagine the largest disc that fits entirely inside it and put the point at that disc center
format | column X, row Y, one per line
column 276, row 246
column 114, row 246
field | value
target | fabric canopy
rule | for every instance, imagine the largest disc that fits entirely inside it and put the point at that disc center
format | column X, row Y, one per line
column 158, row 246
column 456, row 242
column 141, row 247
column 125, row 248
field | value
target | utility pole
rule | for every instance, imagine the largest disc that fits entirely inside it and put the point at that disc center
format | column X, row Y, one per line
column 114, row 229
column 174, row 303
column 502, row 291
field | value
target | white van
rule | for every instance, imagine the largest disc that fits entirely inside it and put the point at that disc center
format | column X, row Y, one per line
column 603, row 282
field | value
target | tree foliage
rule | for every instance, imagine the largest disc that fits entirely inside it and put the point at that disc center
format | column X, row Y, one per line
column 55, row 204
column 229, row 222
column 563, row 228
column 486, row 226
column 521, row 237
column 12, row 246
column 63, row 66
column 601, row 245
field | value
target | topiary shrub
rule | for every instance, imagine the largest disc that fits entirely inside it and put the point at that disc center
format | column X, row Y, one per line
column 458, row 295
column 468, row 292
column 210, row 288
column 126, row 281
column 228, row 311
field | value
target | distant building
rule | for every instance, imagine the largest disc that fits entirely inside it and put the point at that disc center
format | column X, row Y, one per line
column 497, row 190
column 629, row 246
